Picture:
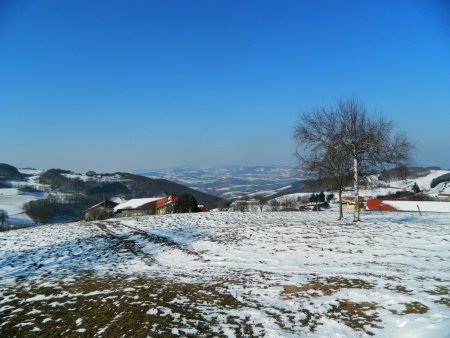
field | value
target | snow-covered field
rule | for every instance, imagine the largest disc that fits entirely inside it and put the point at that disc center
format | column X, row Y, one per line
column 292, row 274
column 12, row 202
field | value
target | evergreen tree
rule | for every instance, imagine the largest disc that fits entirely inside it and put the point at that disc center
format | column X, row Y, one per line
column 185, row 203
column 321, row 197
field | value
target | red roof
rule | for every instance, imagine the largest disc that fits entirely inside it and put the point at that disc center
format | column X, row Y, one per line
column 166, row 200
column 379, row 205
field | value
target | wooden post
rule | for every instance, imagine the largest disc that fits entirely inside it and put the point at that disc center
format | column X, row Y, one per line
column 419, row 210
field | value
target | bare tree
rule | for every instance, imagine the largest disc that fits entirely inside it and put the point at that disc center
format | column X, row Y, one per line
column 347, row 130
column 331, row 167
column 261, row 201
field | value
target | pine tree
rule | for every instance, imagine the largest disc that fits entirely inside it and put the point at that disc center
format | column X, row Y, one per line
column 321, row 197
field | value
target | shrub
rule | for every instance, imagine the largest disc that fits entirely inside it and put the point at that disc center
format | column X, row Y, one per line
column 274, row 205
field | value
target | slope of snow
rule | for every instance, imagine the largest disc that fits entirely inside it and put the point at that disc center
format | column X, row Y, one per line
column 425, row 206
column 12, row 202
column 424, row 184
column 282, row 269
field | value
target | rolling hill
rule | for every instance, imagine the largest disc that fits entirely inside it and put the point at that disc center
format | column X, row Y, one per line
column 57, row 195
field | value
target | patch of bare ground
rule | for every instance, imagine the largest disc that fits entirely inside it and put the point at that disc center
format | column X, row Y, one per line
column 359, row 316
column 412, row 308
column 325, row 286
column 441, row 291
column 291, row 321
column 399, row 288
column 114, row 307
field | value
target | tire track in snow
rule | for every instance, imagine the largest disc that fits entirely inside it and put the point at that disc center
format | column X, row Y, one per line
column 163, row 240
column 128, row 244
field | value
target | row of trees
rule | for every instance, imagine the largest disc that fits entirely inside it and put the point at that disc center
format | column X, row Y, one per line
column 341, row 144
column 290, row 203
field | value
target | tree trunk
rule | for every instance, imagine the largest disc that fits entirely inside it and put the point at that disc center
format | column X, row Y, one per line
column 356, row 188
column 341, row 213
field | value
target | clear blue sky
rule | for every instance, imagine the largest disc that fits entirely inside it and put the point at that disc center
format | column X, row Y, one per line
column 122, row 85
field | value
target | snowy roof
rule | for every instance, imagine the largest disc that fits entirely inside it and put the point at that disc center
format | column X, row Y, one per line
column 135, row 203
column 116, row 199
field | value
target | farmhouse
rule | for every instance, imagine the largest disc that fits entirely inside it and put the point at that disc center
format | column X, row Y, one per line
column 145, row 206
column 102, row 210
column 134, row 207
column 165, row 205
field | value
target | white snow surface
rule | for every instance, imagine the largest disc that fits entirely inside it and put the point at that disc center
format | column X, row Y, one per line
column 12, row 202
column 390, row 260
column 427, row 206
column 424, row 184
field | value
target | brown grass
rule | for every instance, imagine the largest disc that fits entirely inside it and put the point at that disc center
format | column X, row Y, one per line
column 358, row 316
column 326, row 286
column 135, row 308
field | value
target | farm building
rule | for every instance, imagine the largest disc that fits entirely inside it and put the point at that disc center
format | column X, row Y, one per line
column 134, row 207
column 102, row 210
column 165, row 205
column 145, row 206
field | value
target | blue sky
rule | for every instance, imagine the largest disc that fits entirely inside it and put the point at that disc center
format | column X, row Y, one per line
column 122, row 85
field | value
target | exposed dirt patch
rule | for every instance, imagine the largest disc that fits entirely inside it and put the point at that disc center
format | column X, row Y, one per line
column 359, row 316
column 415, row 308
column 400, row 289
column 113, row 307
column 325, row 286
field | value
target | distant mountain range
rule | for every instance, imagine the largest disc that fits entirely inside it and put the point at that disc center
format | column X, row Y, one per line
column 229, row 182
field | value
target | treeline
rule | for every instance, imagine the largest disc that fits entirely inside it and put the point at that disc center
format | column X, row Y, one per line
column 58, row 182
column 57, row 209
